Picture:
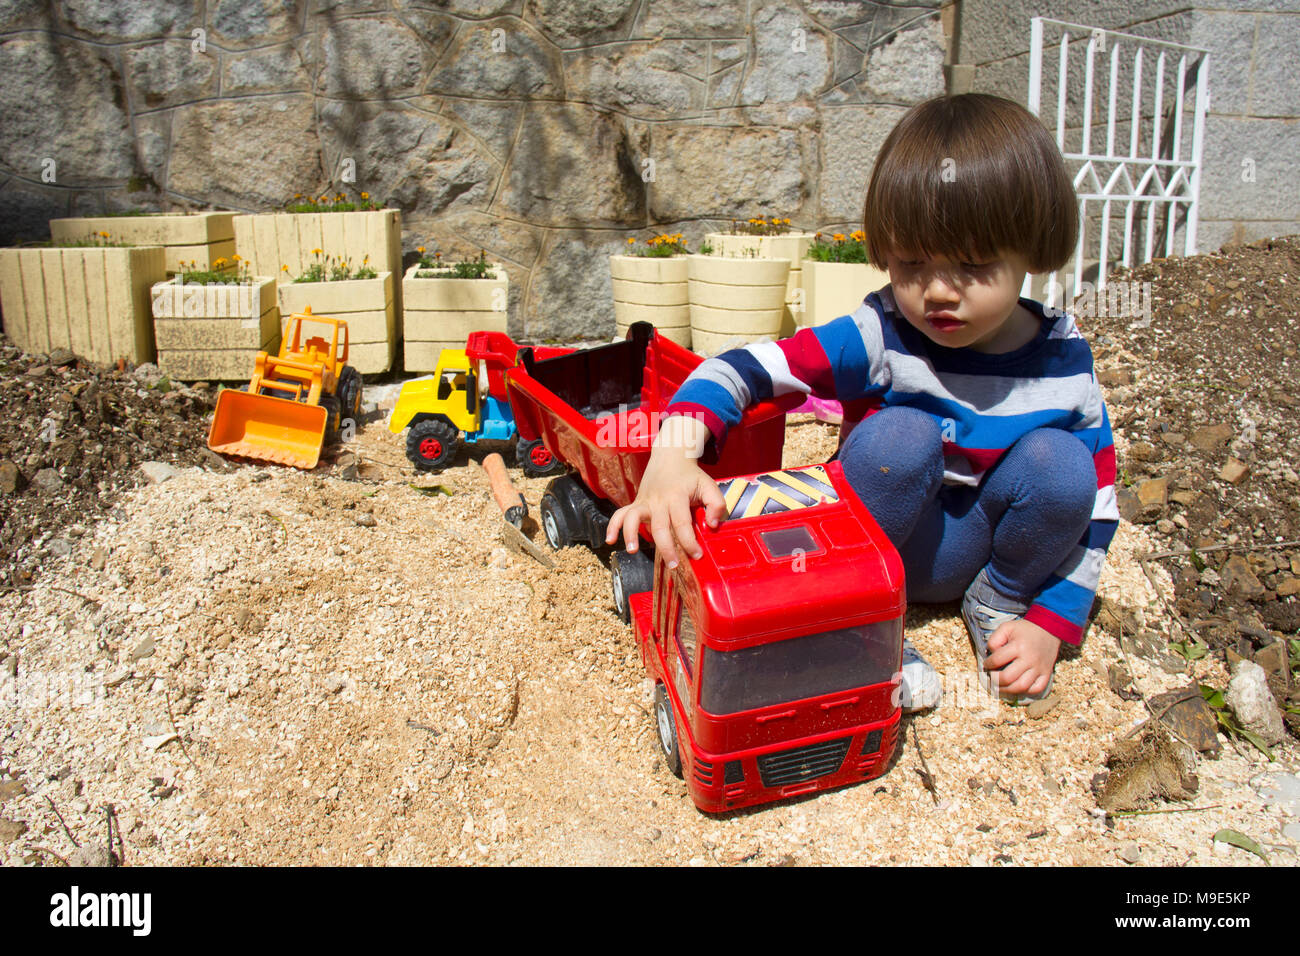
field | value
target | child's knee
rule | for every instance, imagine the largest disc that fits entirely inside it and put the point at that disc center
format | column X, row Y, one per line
column 1062, row 464
column 900, row 438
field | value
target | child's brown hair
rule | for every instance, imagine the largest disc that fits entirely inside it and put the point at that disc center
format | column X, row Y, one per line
column 970, row 176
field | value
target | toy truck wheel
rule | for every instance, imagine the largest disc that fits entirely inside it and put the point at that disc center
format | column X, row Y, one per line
column 431, row 444
column 333, row 417
column 536, row 459
column 555, row 522
column 349, row 393
column 667, row 726
column 630, row 574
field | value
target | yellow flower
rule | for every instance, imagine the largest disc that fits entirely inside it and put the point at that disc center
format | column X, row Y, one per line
column 316, row 252
column 631, row 240
column 365, row 195
column 104, row 234
column 297, row 195
column 857, row 235
column 236, row 257
column 420, row 250
column 284, row 268
column 838, row 237
column 221, row 261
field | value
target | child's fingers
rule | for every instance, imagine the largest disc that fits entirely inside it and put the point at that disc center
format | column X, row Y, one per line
column 662, row 533
column 615, row 522
column 1040, row 685
column 1000, row 636
column 715, row 506
column 1015, row 678
column 680, row 515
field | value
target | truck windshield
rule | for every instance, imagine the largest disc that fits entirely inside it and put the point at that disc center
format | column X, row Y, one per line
column 799, row 667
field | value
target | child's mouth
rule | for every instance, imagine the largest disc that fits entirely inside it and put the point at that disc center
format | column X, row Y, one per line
column 944, row 321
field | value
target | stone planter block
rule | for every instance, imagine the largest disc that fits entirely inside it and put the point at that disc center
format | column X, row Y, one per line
column 441, row 313
column 214, row 332
column 368, row 306
column 652, row 290
column 94, row 300
column 201, row 238
column 732, row 298
column 832, row 289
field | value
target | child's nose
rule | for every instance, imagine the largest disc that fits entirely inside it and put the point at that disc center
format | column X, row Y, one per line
column 941, row 287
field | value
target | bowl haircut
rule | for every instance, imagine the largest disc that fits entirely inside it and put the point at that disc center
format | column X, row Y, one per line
column 969, row 177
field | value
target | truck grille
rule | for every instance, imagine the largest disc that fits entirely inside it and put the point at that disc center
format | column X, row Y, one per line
column 803, row 763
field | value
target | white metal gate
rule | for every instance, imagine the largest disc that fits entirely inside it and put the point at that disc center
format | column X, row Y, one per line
column 1151, row 165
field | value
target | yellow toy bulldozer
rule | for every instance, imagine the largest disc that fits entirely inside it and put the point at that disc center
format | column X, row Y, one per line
column 296, row 400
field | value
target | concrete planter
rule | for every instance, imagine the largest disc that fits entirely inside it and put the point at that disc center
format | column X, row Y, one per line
column 653, row 290
column 441, row 313
column 94, row 301
column 367, row 305
column 214, row 332
column 735, row 298
column 832, row 289
column 202, row 237
column 792, row 246
column 270, row 241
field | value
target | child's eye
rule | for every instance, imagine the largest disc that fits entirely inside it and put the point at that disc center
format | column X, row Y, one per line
column 975, row 266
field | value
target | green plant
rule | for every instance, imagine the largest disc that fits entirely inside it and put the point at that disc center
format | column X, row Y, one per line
column 839, row 247
column 478, row 268
column 660, row 247
column 760, row 227
column 706, row 248
column 338, row 203
column 1228, row 720
column 219, row 274
column 91, row 240
column 333, row 269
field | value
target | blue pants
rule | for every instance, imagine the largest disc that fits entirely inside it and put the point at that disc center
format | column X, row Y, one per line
column 1022, row 520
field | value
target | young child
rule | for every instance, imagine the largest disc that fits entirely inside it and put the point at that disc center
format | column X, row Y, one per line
column 973, row 429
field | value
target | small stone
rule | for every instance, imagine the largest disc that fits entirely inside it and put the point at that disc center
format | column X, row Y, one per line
column 1143, row 451
column 1039, row 709
column 977, row 860
column 158, row 741
column 11, row 788
column 1233, row 471
column 1253, row 703
column 11, row 479
column 142, row 650
column 365, row 520
column 242, row 615
column 738, row 854
column 1272, row 657
column 119, row 676
column 47, row 481
column 156, row 727
column 98, row 558
column 91, row 855
column 1165, row 526
column 59, row 547
column 346, row 467
column 1288, row 586
column 1154, row 492
column 1115, row 377
column 1189, row 717
column 1211, row 438
column 1130, row 853
column 1238, row 578
column 38, row 371
column 157, row 471
column 11, row 830
column 214, row 462
column 61, row 357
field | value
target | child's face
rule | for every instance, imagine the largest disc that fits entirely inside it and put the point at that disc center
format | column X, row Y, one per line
column 963, row 304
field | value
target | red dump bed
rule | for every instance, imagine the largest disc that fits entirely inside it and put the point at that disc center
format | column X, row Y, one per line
column 598, row 411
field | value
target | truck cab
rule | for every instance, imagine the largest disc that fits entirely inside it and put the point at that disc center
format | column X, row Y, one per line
column 776, row 654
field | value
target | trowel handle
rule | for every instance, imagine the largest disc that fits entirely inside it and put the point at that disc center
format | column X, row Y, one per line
column 510, row 501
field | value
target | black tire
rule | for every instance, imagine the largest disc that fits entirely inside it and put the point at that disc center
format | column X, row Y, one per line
column 666, row 725
column 630, row 574
column 333, row 417
column 431, row 444
column 536, row 459
column 555, row 522
column 349, row 393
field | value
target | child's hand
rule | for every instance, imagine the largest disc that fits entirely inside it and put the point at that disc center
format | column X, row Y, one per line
column 1023, row 655
column 672, row 484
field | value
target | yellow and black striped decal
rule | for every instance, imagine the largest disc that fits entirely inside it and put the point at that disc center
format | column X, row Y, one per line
column 777, row 491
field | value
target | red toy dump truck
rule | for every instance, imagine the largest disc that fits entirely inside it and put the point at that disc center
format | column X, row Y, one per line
column 776, row 654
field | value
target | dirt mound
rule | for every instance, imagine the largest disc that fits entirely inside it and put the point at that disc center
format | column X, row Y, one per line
column 71, row 437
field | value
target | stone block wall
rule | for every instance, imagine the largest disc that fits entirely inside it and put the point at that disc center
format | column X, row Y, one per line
column 543, row 131
column 1249, row 183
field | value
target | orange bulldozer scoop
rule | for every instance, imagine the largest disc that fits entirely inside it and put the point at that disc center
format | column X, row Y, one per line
column 268, row 429
column 257, row 423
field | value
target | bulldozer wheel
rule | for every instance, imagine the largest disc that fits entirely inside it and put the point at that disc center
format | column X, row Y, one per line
column 349, row 393
column 431, row 444
column 333, row 416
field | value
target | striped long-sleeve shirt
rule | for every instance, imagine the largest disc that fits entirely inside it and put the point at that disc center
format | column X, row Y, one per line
column 983, row 402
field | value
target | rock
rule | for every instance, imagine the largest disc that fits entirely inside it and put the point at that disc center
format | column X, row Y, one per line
column 1233, row 471
column 59, row 547
column 11, row 788
column 167, row 73
column 1117, row 676
column 147, row 374
column 158, row 471
column 530, row 70
column 346, row 467
column 1288, row 586
column 142, row 650
column 1143, row 451
column 1113, row 378
column 158, row 741
column 38, row 371
column 1039, row 709
column 98, row 558
column 118, row 676
column 1253, row 703
column 1130, row 853
column 242, row 615
column 214, row 462
column 655, row 79
column 60, row 357
column 365, row 520
column 47, row 481
column 156, row 727
column 1153, row 493
column 1165, row 526
column 1238, row 578
column 11, row 479
column 91, row 855
column 1189, row 717
column 573, row 23
column 1211, row 438
column 11, row 830
column 369, row 58
column 779, row 75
